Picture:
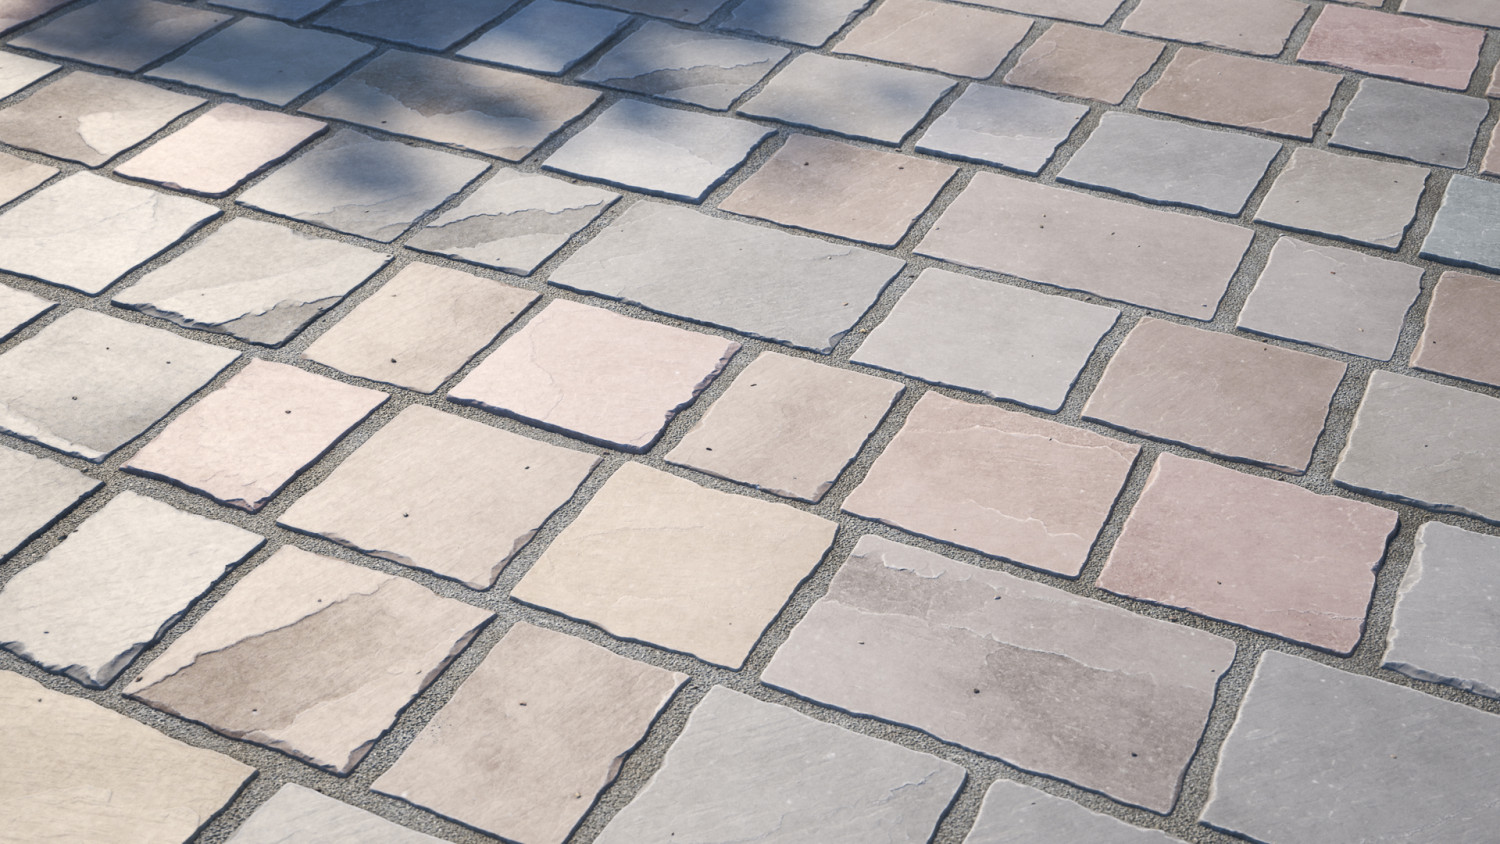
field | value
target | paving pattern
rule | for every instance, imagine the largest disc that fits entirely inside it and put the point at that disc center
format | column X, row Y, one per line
column 645, row 421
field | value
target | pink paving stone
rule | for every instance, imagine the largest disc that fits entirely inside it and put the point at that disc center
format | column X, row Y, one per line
column 1397, row 46
column 1003, row 483
column 1219, row 393
column 1494, row 89
column 948, row 37
column 1265, row 554
column 1250, row 26
column 1083, row 11
column 1088, row 63
column 1248, row 93
column 1491, row 164
column 1482, row 12
column 219, row 151
column 1460, row 338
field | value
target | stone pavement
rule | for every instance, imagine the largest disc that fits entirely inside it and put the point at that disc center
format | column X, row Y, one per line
column 706, row 421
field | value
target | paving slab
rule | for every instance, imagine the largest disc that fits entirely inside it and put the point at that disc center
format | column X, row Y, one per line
column 285, row 9
column 807, row 22
column 1397, row 46
column 685, row 65
column 89, row 118
column 113, row 587
column 1001, row 126
column 849, row 97
column 1247, row 93
column 310, row 656
column 1045, row 680
column 17, row 72
column 747, row 770
column 532, row 736
column 420, row 327
column 1464, row 11
column 441, row 493
column 1412, row 122
column 1002, row 483
column 752, row 279
column 1444, row 628
column 960, row 40
column 412, row 21
column 94, row 33
column 684, row 11
column 1459, row 337
column 1158, row 259
column 221, row 150
column 1261, row 27
column 263, row 60
column 258, row 281
column 1082, row 11
column 13, row 13
column 1491, row 164
column 546, row 36
column 1321, row 755
column 87, row 384
column 38, row 493
column 787, row 426
column 1331, row 297
column 18, row 309
column 1013, row 813
column 298, row 815
column 1088, row 63
column 19, row 176
column 79, row 772
column 659, row 559
column 1463, row 232
column 1345, row 198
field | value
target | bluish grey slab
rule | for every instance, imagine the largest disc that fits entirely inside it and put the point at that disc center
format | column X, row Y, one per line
column 685, row 11
column 1412, row 122
column 1323, row 756
column 414, row 22
column 286, row 9
column 1002, row 126
column 263, row 60
column 547, row 36
column 752, row 279
column 809, row 22
column 35, row 493
column 685, row 65
column 298, row 815
column 123, row 34
column 1013, row 813
column 1445, row 628
column 1464, row 231
column 849, row 97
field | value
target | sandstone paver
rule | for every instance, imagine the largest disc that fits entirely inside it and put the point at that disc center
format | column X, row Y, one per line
column 1398, row 46
column 684, row 11
column 89, row 118
column 413, row 21
column 1002, row 126
column 662, row 560
column 1459, row 338
column 1261, row 27
column 685, row 65
column 37, row 493
column 1247, row 93
column 1083, row 11
column 298, row 815
column 1463, row 232
column 1444, row 628
column 1463, row 11
column 1082, row 62
column 1491, row 164
column 807, row 22
column 13, row 13
column 221, row 150
column 18, row 309
column 123, row 34
column 849, row 97
column 17, row 72
column 263, row 60
column 546, row 36
column 1346, row 198
column 1013, row 813
column 955, row 39
column 285, row 9
column 1409, row 121
column 19, row 176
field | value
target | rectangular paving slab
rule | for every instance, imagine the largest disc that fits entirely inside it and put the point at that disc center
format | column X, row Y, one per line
column 1001, row 126
column 285, row 9
column 38, row 493
column 1261, row 27
column 17, row 72
column 1247, row 93
column 123, row 34
column 1463, row 11
column 546, row 36
column 1013, row 813
column 89, row 118
column 940, row 36
column 684, row 65
column 1083, row 11
column 19, row 176
column 413, row 21
column 1444, row 628
column 1463, row 230
column 849, row 97
column 221, row 150
column 806, row 22
column 13, row 13
column 295, row 814
column 1459, row 337
column 1412, row 122
column 19, row 309
column 1088, row 63
column 263, row 60
column 1346, row 198
column 1398, row 46
column 684, row 11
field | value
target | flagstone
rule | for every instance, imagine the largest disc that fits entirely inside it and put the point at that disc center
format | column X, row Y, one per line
column 1082, row 62
column 1398, row 46
column 1247, row 93
column 849, row 97
column 807, row 22
column 1491, row 164
column 685, row 65
column 1412, row 122
column 19, row 176
column 1459, row 338
column 1464, row 11
column 1444, row 628
column 13, row 13
column 285, row 9
column 546, row 36
column 18, row 309
column 1002, row 126
column 297, row 814
column 1261, row 27
column 1083, row 11
column 17, row 72
column 960, row 40
column 38, row 493
column 89, row 118
column 1013, row 813
column 221, row 150
column 685, row 11
column 412, row 21
column 263, row 60
column 1346, row 198
column 1463, row 232
column 123, row 34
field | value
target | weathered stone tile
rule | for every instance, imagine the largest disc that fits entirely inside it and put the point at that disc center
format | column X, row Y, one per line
column 1463, row 232
column 661, row 560
column 1002, row 126
column 420, row 327
column 1081, row 62
column 1431, row 444
column 1013, row 813
column 441, row 493
column 37, row 493
column 285, row 9
column 746, row 770
column 1322, row 755
column 18, row 309
column 1235, row 91
column 685, row 65
column 787, row 426
column 263, row 60
column 849, row 97
column 665, row 151
column 1491, row 164
column 257, row 281
column 808, row 22
column 1444, row 629
column 1000, row 482
column 546, row 36
column 414, row 22
column 354, row 183
column 123, row 34
column 89, row 118
column 76, row 771
column 1407, row 121
column 840, row 189
column 1331, row 297
column 13, row 13
column 221, row 150
column 1157, row 259
column 486, row 109
column 1045, row 680
column 532, row 736
column 596, row 375
column 1249, row 26
column 1083, row 11
column 87, row 384
column 118, row 581
column 311, row 656
column 954, row 39
column 1343, row 197
column 686, row 11
column 18, row 176
column 1459, row 338
column 243, row 442
column 1397, row 46
column 1171, row 163
column 297, row 814
column 17, row 72
column 1463, row 11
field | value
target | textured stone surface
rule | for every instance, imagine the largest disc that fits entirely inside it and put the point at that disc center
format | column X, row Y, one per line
column 296, row 815
column 18, row 308
column 1344, row 197
column 18, row 176
column 1249, row 26
column 309, row 655
column 849, row 97
column 1432, row 444
column 670, row 152
column 88, row 384
column 253, row 280
column 840, row 189
column 412, row 21
column 686, row 11
column 118, row 581
column 37, row 493
column 1459, row 338
column 286, row 9
column 1491, row 164
column 684, row 65
column 442, row 493
column 1002, row 126
column 89, row 118
column 1045, row 680
column 787, row 425
column 1407, row 121
column 123, row 34
column 1003, row 341
column 1398, row 46
column 420, row 327
column 1463, row 232
column 13, row 13
column 243, row 442
column 532, row 736
column 1159, row 259
column 1323, row 755
column 1331, row 297
column 1083, row 11
column 546, row 36
column 1087, row 63
column 954, row 39
column 809, row 22
column 221, row 150
column 1464, row 11
column 1444, row 629
column 263, row 60
column 1000, row 482
column 751, row 279
column 1013, row 813
column 747, row 770
column 17, row 72
column 1248, row 93
column 659, row 559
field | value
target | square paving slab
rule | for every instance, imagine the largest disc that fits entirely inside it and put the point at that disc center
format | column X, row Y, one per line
column 19, row 176
column 1345, row 198
column 89, row 118
column 1013, row 813
column 1247, row 93
column 123, row 34
column 954, row 39
column 1398, row 46
column 296, row 814
column 413, row 21
column 38, row 493
column 263, row 60
column 1463, row 232
column 221, row 150
column 685, row 65
column 1409, row 121
column 13, row 13
column 662, row 560
column 849, row 97
column 1083, row 11
column 286, row 9
column 1445, row 629
column 1087, row 63
column 1465, row 11
column 685, row 11
column 1001, row 126
column 17, row 72
column 1459, row 338
column 546, row 36
column 807, row 22
column 19, row 309
column 1249, row 26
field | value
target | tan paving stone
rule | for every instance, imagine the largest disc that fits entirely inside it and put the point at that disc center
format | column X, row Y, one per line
column 17, row 176
column 18, row 309
column 849, row 97
column 685, row 65
column 1444, row 628
column 1491, row 164
column 1344, row 197
column 221, row 150
column 17, row 72
column 1249, row 26
column 1083, row 11
column 123, row 34
column 263, row 60
column 414, row 21
column 960, row 40
column 38, row 493
column 1464, row 11
column 1382, row 44
column 13, row 13
column 1087, row 63
column 297, row 814
column 89, row 118
column 1459, row 338
column 1248, row 93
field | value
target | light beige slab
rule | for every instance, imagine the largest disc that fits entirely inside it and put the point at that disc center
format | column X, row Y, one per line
column 34, row 493
column 221, row 150
column 89, row 118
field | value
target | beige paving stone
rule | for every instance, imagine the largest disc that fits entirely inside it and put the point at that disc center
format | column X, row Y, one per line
column 1459, row 338
column 89, row 118
column 221, row 150
column 1081, row 62
column 123, row 34
column 1249, row 26
column 1345, row 197
column 37, row 493
column 1002, row 483
column 420, row 327
column 662, row 560
column 960, row 40
column 787, row 425
column 298, row 815
column 1248, row 93
column 18, row 176
column 76, row 771
column 1045, row 680
column 18, row 309
column 1399, row 46
column 1013, row 813
column 1083, row 11
column 1494, row 89
column 17, row 72
column 849, row 97
column 1464, row 11
column 1491, row 164
column 13, row 13
column 532, row 736
column 242, row 443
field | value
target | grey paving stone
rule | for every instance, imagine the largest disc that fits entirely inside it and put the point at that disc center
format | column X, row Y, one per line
column 1013, row 813
column 486, row 109
column 849, row 97
column 18, row 308
column 1002, row 126
column 685, row 65
column 807, row 22
column 414, row 22
column 1005, row 342
column 13, row 13
column 747, row 770
column 1463, row 232
column 1346, row 198
column 1434, row 445
column 115, row 585
column 686, row 11
column 257, row 281
column 1171, row 163
column 123, row 34
column 18, row 176
column 546, row 36
column 1249, row 26
column 87, row 384
column 665, row 151
column 951, row 38
column 298, row 815
column 37, row 493
column 1322, row 755
column 17, row 72
column 221, row 150
column 751, row 279
column 1444, row 629
column 263, row 60
column 89, row 118
column 1459, row 337
column 1410, row 121
column 285, row 9
column 354, row 183
column 1096, row 695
